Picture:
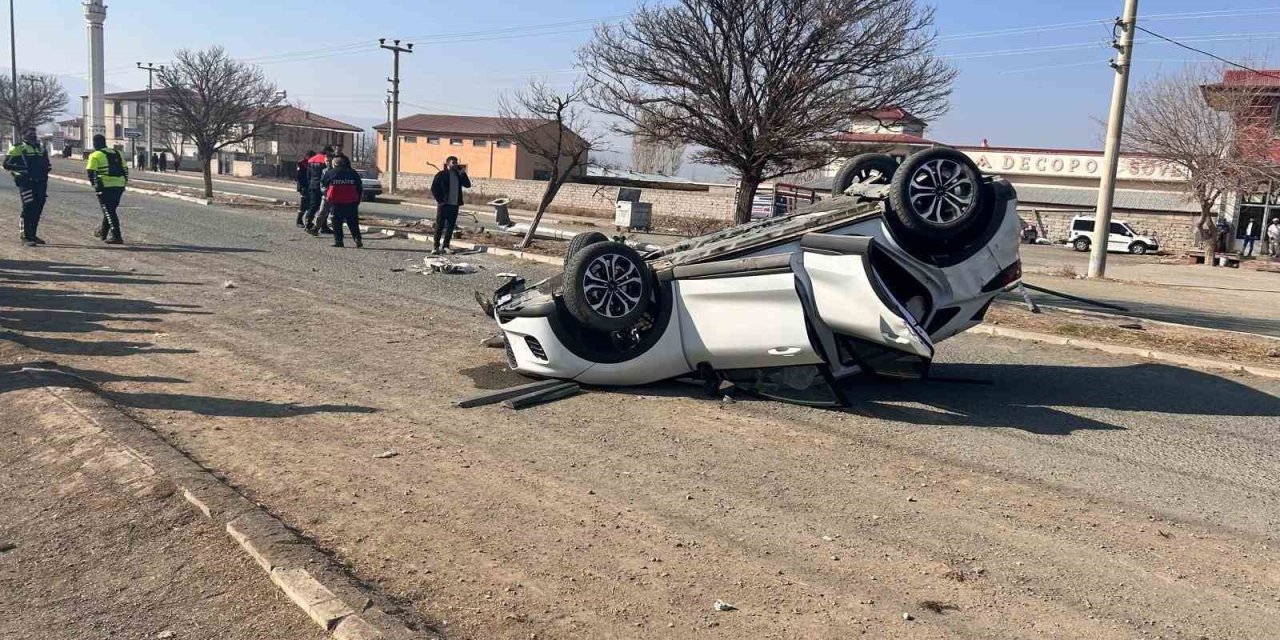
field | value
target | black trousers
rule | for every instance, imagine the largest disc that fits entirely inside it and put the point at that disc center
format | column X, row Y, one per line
column 33, row 194
column 302, row 204
column 348, row 214
column 109, row 198
column 313, row 206
column 446, row 222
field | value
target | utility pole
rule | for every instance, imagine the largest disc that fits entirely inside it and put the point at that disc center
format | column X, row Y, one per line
column 1115, row 126
column 13, row 59
column 151, row 70
column 394, row 163
column 388, row 146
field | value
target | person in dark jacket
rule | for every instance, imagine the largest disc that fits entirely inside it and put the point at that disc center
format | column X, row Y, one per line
column 321, row 225
column 343, row 190
column 316, row 166
column 29, row 164
column 164, row 162
column 301, row 181
column 447, row 188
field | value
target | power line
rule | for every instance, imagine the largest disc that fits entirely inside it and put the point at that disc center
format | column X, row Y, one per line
column 1206, row 53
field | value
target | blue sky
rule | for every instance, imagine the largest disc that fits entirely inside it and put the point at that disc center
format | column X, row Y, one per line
column 1032, row 73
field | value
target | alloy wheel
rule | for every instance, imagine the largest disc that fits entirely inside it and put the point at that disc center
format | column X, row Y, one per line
column 942, row 193
column 612, row 285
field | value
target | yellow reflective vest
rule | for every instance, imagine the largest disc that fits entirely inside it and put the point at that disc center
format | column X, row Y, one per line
column 107, row 168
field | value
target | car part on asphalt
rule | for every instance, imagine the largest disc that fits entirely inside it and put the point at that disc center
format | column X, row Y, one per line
column 608, row 286
column 494, row 397
column 1066, row 296
column 867, row 168
column 543, row 396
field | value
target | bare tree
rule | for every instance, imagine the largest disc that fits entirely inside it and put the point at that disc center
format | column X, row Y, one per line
column 215, row 101
column 650, row 154
column 554, row 127
column 762, row 86
column 1205, row 129
column 40, row 99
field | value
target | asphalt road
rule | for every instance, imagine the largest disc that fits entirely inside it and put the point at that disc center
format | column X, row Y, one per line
column 1075, row 495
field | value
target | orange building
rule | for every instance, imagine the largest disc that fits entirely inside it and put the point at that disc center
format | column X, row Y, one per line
column 481, row 144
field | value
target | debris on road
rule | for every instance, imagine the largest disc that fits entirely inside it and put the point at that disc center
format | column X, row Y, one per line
column 558, row 392
column 721, row 605
column 7, row 546
column 938, row 607
column 228, row 285
column 391, row 453
column 165, row 635
column 435, row 264
column 496, row 341
column 907, row 616
column 494, row 397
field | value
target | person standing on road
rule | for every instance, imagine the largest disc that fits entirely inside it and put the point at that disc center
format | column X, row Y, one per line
column 164, row 162
column 29, row 165
column 343, row 190
column 1250, row 237
column 447, row 189
column 326, row 206
column 316, row 166
column 301, row 181
column 1273, row 237
column 109, row 176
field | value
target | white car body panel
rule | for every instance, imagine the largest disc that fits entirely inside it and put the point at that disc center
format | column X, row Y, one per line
column 743, row 322
column 664, row 360
column 847, row 303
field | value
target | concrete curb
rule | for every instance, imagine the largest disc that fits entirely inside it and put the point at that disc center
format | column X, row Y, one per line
column 336, row 601
column 1189, row 362
column 1127, row 318
column 145, row 192
column 496, row 251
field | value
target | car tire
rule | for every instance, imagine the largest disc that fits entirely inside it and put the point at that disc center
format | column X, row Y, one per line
column 878, row 168
column 1138, row 249
column 937, row 195
column 1081, row 244
column 581, row 241
column 607, row 286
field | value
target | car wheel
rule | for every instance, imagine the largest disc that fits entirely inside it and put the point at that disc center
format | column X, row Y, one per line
column 937, row 194
column 608, row 286
column 1138, row 249
column 875, row 168
column 1081, row 244
column 581, row 241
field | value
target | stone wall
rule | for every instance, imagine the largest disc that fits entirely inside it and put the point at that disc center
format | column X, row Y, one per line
column 717, row 202
column 1175, row 231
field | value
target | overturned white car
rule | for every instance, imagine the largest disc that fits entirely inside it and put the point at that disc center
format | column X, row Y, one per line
column 790, row 307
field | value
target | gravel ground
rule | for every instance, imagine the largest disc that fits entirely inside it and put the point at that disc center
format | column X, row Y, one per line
column 104, row 549
column 1076, row 495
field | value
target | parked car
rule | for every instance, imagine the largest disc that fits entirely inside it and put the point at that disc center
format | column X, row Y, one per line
column 789, row 307
column 1123, row 238
column 372, row 185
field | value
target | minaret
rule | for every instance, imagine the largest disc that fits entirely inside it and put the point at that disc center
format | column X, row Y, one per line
column 95, row 13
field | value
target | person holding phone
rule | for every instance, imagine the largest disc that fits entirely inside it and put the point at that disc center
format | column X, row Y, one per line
column 447, row 188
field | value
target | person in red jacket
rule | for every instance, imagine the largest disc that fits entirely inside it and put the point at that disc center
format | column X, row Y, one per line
column 316, row 166
column 343, row 189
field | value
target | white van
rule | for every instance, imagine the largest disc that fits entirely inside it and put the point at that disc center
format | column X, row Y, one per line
column 1123, row 238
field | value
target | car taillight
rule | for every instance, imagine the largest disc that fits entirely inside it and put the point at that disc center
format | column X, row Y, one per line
column 1010, row 275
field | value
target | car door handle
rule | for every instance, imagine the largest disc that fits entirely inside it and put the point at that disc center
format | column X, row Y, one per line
column 785, row 352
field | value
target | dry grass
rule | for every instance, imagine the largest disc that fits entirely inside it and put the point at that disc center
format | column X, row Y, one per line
column 688, row 226
column 1246, row 349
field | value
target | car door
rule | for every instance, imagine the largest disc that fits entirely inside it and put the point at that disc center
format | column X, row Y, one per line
column 860, row 325
column 1119, row 238
column 742, row 314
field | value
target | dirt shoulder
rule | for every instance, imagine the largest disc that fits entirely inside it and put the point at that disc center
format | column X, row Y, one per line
column 1256, row 350
column 103, row 548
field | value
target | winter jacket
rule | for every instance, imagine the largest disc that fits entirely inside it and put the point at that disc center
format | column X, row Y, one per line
column 27, row 163
column 300, row 174
column 343, row 186
column 316, row 166
column 440, row 186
